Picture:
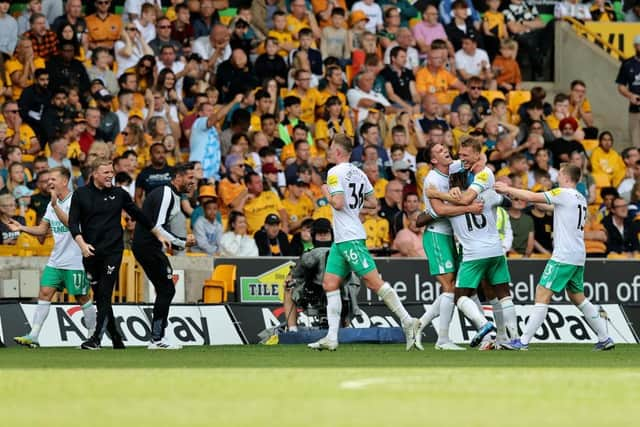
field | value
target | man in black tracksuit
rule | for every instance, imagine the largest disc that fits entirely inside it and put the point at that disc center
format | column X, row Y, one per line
column 162, row 207
column 94, row 223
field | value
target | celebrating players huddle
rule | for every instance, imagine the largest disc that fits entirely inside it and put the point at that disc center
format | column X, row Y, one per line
column 466, row 210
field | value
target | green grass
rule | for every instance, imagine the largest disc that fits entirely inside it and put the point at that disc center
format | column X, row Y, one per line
column 359, row 385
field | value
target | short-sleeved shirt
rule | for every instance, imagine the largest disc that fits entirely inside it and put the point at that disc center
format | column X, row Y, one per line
column 441, row 182
column 66, row 254
column 629, row 76
column 151, row 178
column 348, row 180
column 228, row 191
column 520, row 12
column 13, row 65
column 479, row 108
column 569, row 217
column 27, row 136
column 438, row 83
column 298, row 210
column 308, row 103
column 257, row 209
column 495, row 22
column 104, row 32
column 478, row 234
column 400, row 83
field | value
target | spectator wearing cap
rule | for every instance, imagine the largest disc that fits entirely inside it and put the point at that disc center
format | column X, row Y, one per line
column 157, row 174
column 401, row 171
column 297, row 204
column 23, row 194
column 628, row 87
column 109, row 122
column 8, row 29
column 373, row 11
column 235, row 242
column 205, row 192
column 271, row 178
column 260, row 203
column 208, row 231
column 561, row 148
column 271, row 240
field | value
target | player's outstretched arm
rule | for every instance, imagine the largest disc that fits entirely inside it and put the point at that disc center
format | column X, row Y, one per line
column 443, row 209
column 39, row 230
column 517, row 193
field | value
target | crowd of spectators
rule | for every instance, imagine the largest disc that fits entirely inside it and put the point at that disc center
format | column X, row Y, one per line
column 253, row 92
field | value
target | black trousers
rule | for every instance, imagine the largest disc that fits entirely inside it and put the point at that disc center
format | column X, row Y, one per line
column 103, row 272
column 159, row 271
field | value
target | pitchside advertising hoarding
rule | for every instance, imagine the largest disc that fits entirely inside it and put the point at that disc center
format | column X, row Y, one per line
column 194, row 325
column 606, row 282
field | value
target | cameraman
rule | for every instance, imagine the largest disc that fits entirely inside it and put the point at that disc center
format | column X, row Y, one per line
column 303, row 287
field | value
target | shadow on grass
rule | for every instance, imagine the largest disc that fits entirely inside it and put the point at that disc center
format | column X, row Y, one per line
column 298, row 356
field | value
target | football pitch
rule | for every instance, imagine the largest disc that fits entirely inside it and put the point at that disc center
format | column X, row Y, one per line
column 288, row 385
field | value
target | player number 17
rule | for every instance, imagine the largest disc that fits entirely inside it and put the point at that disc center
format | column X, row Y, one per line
column 582, row 216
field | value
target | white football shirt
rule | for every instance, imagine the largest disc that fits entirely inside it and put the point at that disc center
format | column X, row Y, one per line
column 66, row 254
column 478, row 234
column 569, row 217
column 441, row 182
column 347, row 179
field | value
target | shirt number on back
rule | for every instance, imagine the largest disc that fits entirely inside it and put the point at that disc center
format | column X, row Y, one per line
column 479, row 221
column 582, row 216
column 357, row 195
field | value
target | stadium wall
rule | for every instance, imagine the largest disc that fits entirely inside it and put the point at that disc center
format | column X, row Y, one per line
column 578, row 58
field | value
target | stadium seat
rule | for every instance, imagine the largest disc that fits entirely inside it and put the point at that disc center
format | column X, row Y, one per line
column 227, row 274
column 214, row 292
column 514, row 255
column 517, row 98
column 9, row 250
column 492, row 94
column 601, row 180
column 451, row 95
column 615, row 255
column 540, row 256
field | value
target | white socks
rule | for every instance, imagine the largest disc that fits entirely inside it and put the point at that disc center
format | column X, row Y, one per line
column 89, row 311
column 594, row 320
column 431, row 313
column 40, row 315
column 446, row 313
column 498, row 318
column 471, row 311
column 334, row 309
column 535, row 321
column 390, row 298
column 509, row 315
column 477, row 302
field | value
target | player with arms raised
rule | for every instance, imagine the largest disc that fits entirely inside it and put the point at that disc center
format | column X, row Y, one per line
column 482, row 254
column 64, row 268
column 349, row 191
column 565, row 269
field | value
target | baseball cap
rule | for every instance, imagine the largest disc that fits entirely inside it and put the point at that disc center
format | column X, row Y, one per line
column 269, row 168
column 22, row 191
column 136, row 112
column 272, row 219
column 296, row 181
column 399, row 165
column 103, row 95
column 96, row 82
column 321, row 225
column 357, row 16
column 207, row 191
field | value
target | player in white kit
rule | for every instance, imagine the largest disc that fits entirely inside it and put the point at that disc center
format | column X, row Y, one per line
column 439, row 245
column 64, row 268
column 482, row 254
column 349, row 191
column 565, row 269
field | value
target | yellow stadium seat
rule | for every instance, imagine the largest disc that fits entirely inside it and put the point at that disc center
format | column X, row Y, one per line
column 214, row 292
column 517, row 98
column 492, row 94
column 514, row 255
column 348, row 71
column 227, row 274
column 601, row 180
column 9, row 250
column 196, row 254
column 590, row 144
column 615, row 255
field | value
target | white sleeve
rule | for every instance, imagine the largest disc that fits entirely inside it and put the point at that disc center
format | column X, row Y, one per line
column 508, row 235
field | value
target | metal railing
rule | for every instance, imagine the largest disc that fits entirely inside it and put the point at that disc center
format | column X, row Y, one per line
column 596, row 38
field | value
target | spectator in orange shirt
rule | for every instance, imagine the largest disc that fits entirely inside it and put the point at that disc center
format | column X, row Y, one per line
column 434, row 78
column 104, row 27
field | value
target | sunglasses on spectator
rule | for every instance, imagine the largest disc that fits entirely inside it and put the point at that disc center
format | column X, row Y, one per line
column 11, row 111
column 475, row 87
column 164, row 27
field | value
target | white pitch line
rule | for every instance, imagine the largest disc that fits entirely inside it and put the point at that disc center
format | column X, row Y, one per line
column 374, row 381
